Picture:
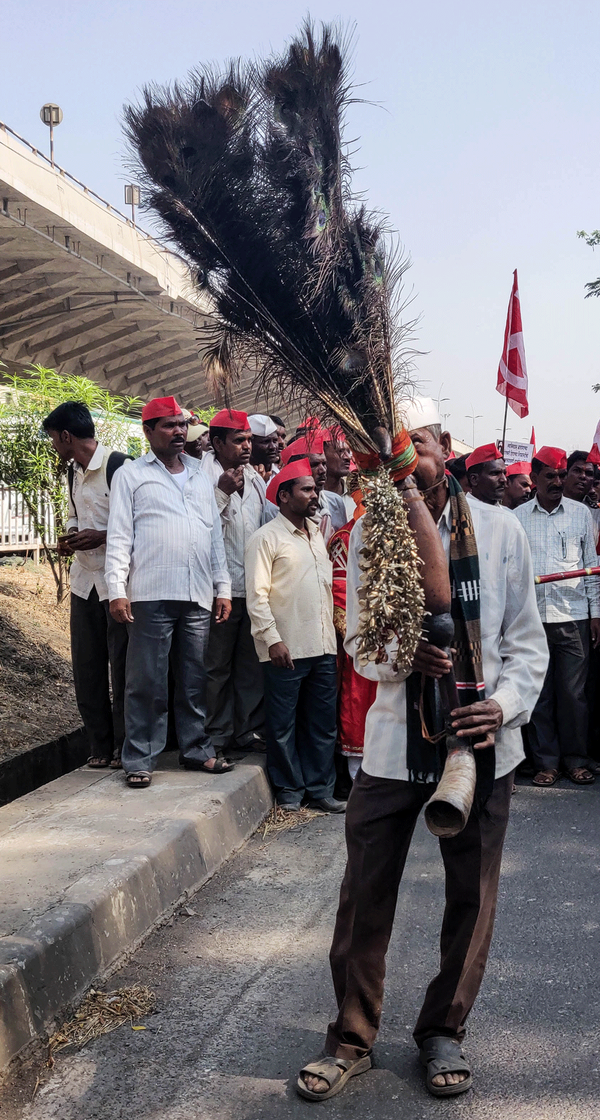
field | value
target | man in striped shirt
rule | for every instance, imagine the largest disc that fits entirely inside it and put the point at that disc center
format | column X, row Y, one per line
column 165, row 561
column 561, row 537
column 235, row 709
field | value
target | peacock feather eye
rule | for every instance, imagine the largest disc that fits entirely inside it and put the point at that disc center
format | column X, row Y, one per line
column 377, row 265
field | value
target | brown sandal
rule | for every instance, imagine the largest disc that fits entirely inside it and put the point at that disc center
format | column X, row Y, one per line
column 580, row 775
column 95, row 763
column 546, row 778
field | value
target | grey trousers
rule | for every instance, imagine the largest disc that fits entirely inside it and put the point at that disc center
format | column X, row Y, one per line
column 160, row 630
column 97, row 642
column 559, row 723
column 234, row 695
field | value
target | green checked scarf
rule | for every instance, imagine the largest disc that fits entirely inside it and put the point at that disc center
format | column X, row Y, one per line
column 423, row 757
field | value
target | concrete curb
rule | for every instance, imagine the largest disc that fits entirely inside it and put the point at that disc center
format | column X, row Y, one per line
column 52, row 959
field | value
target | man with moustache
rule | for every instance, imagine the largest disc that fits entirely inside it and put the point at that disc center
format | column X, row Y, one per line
column 580, row 476
column 518, row 485
column 562, row 539
column 290, row 603
column 165, row 562
column 339, row 459
column 265, row 445
column 235, row 712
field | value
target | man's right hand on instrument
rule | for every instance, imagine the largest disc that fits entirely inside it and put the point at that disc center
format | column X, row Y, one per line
column 280, row 656
column 431, row 660
column 120, row 610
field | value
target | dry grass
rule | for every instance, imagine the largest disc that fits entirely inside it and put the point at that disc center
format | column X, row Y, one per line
column 281, row 820
column 100, row 1013
column 37, row 700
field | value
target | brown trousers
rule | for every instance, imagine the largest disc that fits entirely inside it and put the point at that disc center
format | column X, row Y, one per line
column 380, row 821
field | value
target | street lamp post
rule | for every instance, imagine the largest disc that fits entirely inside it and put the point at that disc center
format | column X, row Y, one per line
column 132, row 198
column 471, row 416
column 51, row 115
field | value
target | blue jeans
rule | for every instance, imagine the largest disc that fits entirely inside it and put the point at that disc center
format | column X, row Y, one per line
column 161, row 631
column 300, row 718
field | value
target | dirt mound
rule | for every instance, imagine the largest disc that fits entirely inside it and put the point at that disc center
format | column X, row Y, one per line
column 37, row 700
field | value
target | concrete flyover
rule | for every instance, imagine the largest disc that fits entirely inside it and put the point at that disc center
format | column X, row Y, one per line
column 84, row 291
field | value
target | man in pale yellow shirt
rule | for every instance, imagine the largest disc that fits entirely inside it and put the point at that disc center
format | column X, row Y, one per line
column 290, row 603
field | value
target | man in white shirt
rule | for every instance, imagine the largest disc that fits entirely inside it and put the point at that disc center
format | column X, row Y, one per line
column 235, row 710
column 290, row 603
column 97, row 641
column 387, row 795
column 165, row 561
column 265, row 445
column 562, row 538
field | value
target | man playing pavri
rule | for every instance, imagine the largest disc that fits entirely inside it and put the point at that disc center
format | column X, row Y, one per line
column 485, row 540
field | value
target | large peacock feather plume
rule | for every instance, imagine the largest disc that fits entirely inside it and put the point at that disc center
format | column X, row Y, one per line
column 248, row 171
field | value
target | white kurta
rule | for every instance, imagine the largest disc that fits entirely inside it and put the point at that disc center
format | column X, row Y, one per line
column 515, row 653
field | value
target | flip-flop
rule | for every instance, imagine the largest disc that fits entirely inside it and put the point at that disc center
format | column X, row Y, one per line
column 444, row 1055
column 553, row 775
column 116, row 764
column 335, row 1071
column 145, row 777
column 95, row 763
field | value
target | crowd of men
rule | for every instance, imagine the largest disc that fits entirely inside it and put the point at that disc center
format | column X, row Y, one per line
column 218, row 578
column 209, row 577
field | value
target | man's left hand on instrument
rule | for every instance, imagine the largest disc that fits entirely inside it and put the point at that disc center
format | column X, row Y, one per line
column 482, row 718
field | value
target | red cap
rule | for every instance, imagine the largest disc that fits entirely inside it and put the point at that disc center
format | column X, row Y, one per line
column 311, row 445
column 160, row 406
column 487, row 453
column 335, row 434
column 553, row 457
column 518, row 468
column 301, row 469
column 229, row 418
column 311, row 423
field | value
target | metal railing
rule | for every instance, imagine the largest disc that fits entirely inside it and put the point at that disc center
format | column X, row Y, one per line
column 87, row 190
column 18, row 531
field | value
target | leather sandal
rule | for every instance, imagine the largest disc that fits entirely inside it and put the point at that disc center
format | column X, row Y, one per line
column 444, row 1055
column 96, row 763
column 335, row 1071
column 140, row 779
column 221, row 766
column 580, row 775
column 545, row 778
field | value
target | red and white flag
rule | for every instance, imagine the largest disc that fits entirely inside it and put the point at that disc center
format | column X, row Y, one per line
column 512, row 371
column 594, row 455
column 532, row 439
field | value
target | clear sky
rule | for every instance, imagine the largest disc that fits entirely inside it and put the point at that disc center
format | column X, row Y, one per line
column 482, row 146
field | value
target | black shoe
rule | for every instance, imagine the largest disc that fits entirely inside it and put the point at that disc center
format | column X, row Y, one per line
column 327, row 805
column 290, row 806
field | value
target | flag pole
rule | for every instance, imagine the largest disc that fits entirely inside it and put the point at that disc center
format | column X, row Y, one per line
column 505, row 419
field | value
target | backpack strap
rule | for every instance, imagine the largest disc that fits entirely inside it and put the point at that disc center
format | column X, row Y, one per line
column 70, row 477
column 114, row 461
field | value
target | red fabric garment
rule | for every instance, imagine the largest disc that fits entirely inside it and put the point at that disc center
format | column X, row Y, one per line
column 229, row 418
column 306, row 445
column 553, row 457
column 160, row 406
column 487, row 453
column 355, row 694
column 301, row 469
column 512, row 371
column 518, row 468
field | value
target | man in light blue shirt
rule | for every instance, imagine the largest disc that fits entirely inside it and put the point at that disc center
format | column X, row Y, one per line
column 165, row 561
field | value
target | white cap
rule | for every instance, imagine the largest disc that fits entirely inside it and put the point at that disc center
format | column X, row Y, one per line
column 420, row 412
column 261, row 425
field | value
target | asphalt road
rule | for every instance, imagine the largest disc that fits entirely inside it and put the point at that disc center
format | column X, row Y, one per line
column 244, row 992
